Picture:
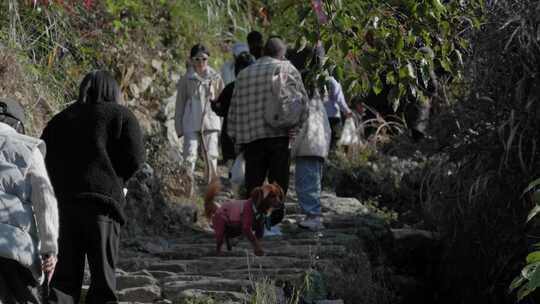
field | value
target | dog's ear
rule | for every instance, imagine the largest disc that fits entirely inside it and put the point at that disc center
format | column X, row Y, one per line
column 278, row 191
column 257, row 196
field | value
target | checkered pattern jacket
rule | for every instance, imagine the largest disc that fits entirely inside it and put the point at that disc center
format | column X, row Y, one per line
column 256, row 85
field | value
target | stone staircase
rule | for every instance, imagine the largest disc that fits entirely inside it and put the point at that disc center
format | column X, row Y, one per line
column 185, row 269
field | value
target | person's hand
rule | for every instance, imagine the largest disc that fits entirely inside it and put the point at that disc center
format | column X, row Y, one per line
column 293, row 132
column 348, row 115
column 48, row 264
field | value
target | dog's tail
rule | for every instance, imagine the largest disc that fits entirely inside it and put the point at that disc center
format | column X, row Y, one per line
column 210, row 206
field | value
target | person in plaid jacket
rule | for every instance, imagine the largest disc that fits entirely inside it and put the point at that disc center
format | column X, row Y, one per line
column 272, row 79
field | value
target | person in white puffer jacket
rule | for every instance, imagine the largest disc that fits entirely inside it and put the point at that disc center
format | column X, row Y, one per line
column 28, row 211
column 310, row 147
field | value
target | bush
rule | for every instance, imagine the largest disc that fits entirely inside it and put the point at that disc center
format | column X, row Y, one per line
column 389, row 184
column 473, row 197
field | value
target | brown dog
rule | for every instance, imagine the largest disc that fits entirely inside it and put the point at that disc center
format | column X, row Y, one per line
column 236, row 217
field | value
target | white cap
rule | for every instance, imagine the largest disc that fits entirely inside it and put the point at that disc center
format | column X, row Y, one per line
column 239, row 47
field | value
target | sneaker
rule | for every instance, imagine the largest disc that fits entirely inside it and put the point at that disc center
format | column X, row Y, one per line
column 274, row 231
column 312, row 223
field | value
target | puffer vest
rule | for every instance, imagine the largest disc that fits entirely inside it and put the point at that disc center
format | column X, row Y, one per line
column 18, row 231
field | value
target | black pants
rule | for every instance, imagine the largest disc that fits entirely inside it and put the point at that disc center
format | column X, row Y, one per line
column 86, row 231
column 268, row 158
column 17, row 284
column 335, row 126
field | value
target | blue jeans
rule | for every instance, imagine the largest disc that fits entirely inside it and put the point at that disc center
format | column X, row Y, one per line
column 308, row 177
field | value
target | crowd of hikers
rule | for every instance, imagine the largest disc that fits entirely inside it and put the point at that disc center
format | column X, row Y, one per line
column 61, row 196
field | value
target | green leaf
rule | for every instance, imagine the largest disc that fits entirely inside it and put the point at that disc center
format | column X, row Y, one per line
column 301, row 43
column 407, row 71
column 352, row 85
column 393, row 98
column 424, row 72
column 445, row 28
column 459, row 57
column 531, row 186
column 339, row 72
column 534, row 280
column 117, row 24
column 377, row 85
column 410, row 71
column 390, row 78
column 365, row 84
column 414, row 92
column 399, row 44
column 421, row 97
column 518, row 281
column 533, row 257
column 536, row 197
column 439, row 7
column 533, row 212
column 445, row 64
column 523, row 292
column 528, row 270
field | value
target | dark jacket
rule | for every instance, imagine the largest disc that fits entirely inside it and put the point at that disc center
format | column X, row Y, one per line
column 92, row 150
column 221, row 108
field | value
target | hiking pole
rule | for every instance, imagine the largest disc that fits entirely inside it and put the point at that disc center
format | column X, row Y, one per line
column 210, row 175
column 45, row 288
column 45, row 285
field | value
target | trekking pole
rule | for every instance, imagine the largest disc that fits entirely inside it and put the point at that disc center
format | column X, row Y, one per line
column 45, row 288
column 207, row 172
column 45, row 285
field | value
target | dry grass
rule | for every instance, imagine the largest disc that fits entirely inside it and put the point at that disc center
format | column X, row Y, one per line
column 19, row 83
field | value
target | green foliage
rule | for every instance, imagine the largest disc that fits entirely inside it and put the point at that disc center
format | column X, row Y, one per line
column 529, row 278
column 383, row 45
column 64, row 41
column 204, row 300
column 307, row 286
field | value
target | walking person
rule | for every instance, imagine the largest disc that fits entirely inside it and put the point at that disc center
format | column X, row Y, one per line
column 267, row 102
column 228, row 70
column 194, row 118
column 28, row 211
column 310, row 148
column 255, row 43
column 335, row 105
column 94, row 146
column 223, row 102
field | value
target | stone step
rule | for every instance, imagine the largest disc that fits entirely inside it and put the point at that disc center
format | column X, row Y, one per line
column 244, row 248
column 284, row 274
column 146, row 294
column 130, row 281
column 201, row 295
column 206, row 283
column 216, row 264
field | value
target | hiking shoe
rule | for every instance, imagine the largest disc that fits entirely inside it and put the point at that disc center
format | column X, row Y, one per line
column 312, row 223
column 274, row 231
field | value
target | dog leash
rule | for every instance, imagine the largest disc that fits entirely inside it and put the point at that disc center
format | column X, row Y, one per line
column 261, row 216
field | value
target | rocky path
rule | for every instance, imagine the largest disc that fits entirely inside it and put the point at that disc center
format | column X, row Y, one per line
column 186, row 269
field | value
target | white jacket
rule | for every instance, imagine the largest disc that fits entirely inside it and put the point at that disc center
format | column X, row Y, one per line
column 193, row 111
column 227, row 72
column 313, row 137
column 28, row 207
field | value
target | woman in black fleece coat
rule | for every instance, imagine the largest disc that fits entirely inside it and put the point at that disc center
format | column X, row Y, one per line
column 93, row 147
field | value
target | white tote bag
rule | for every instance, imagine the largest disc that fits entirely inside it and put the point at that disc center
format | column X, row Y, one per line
column 238, row 170
column 349, row 136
